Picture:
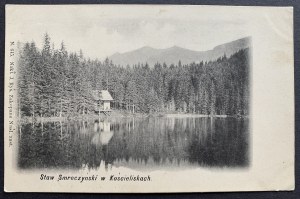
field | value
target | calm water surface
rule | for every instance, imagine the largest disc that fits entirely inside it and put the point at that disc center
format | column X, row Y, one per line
column 136, row 143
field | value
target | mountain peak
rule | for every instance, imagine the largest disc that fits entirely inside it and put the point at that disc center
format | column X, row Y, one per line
column 175, row 47
column 175, row 53
column 146, row 48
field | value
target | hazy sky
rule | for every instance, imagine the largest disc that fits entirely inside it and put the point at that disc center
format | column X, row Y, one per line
column 101, row 31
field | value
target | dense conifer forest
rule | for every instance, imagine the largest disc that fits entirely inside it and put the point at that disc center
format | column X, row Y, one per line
column 55, row 82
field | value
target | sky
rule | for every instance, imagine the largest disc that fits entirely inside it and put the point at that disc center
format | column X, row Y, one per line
column 102, row 30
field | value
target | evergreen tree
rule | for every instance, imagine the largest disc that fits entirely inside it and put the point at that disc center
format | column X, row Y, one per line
column 55, row 82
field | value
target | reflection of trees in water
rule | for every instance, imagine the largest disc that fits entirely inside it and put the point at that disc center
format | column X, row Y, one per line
column 227, row 146
column 205, row 141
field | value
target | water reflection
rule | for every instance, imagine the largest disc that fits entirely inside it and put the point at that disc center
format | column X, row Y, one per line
column 102, row 133
column 135, row 143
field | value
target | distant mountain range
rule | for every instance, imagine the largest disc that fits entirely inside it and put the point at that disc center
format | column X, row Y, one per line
column 174, row 54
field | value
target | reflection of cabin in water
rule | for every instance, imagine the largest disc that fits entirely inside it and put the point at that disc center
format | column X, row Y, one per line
column 103, row 133
column 102, row 100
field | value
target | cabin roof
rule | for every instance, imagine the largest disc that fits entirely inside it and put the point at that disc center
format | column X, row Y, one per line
column 102, row 95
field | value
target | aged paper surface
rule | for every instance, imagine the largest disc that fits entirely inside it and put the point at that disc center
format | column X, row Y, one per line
column 148, row 98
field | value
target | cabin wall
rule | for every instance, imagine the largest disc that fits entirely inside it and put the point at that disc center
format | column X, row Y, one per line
column 98, row 105
column 102, row 105
column 106, row 105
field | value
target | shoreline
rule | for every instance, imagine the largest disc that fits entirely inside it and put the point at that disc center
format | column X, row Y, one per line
column 28, row 119
column 184, row 115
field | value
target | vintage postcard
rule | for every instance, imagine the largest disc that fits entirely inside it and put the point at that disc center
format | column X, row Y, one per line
column 148, row 98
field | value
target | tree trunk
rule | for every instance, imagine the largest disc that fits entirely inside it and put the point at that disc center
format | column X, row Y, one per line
column 60, row 129
column 60, row 114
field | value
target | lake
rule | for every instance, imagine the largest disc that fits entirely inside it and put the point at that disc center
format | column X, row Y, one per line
column 136, row 143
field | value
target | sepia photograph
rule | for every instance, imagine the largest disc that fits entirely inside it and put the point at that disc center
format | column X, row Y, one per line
column 125, row 94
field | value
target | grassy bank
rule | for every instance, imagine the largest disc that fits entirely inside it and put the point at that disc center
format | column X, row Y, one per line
column 121, row 114
column 114, row 114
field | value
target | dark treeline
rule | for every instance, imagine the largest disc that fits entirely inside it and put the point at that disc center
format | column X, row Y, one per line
column 55, row 82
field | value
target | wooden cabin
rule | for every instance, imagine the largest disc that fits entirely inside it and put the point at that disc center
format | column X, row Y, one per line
column 102, row 100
